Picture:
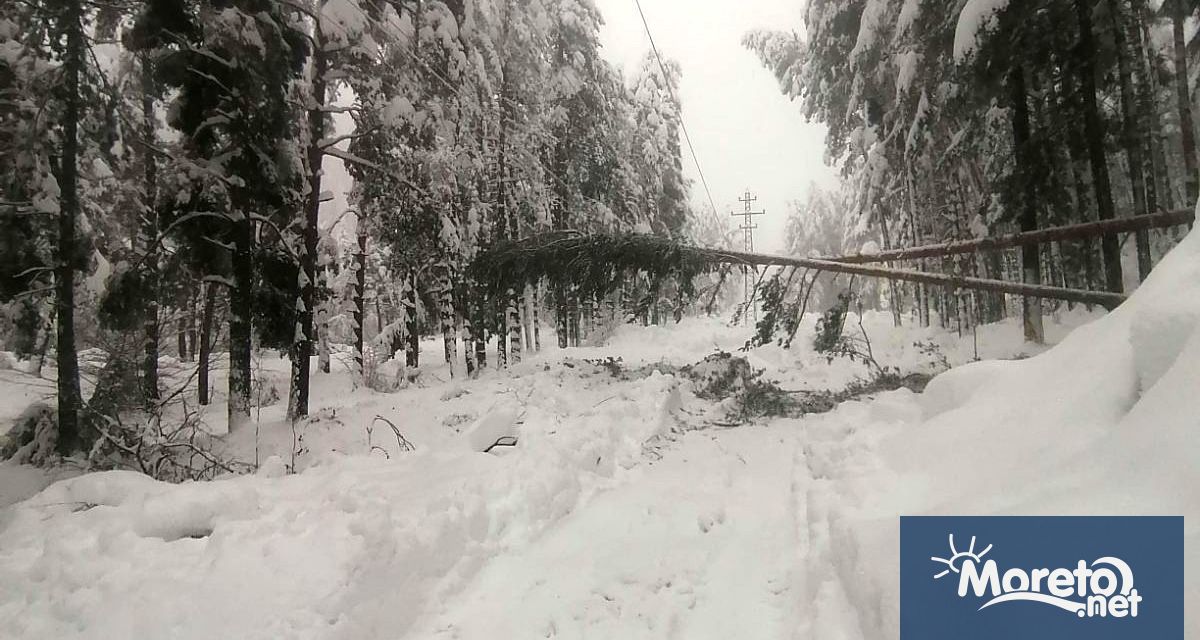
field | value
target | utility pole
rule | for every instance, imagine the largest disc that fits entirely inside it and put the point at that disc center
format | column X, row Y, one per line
column 749, row 274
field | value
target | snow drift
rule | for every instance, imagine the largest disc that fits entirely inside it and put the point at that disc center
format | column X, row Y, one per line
column 353, row 547
column 1105, row 423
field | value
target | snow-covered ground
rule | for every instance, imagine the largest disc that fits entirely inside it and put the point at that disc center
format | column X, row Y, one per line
column 625, row 510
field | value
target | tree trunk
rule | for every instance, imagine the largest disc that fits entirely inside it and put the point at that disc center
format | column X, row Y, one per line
column 306, row 285
column 1123, row 26
column 1076, row 150
column 560, row 317
column 412, row 353
column 573, row 319
column 1094, row 132
column 1030, row 265
column 480, row 345
column 502, row 341
column 468, row 341
column 527, row 317
column 240, row 324
column 181, row 328
column 70, row 399
column 360, row 311
column 193, row 303
column 922, row 292
column 323, row 355
column 1184, row 100
column 206, row 341
column 446, row 317
column 149, row 229
column 513, row 320
column 894, row 293
column 1149, row 123
column 537, row 325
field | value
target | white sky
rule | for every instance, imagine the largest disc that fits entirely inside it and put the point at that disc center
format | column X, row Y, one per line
column 747, row 134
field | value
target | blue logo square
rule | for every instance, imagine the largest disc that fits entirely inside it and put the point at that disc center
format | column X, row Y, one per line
column 1041, row 577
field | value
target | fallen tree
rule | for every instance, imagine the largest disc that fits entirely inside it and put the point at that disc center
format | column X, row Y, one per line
column 1041, row 236
column 597, row 263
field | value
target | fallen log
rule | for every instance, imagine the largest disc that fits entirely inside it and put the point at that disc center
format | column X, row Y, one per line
column 1105, row 299
column 1041, row 236
column 595, row 262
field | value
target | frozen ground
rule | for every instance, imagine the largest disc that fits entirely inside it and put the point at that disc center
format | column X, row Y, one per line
column 623, row 511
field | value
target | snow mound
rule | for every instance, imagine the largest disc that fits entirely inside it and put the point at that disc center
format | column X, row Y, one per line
column 1102, row 424
column 352, row 547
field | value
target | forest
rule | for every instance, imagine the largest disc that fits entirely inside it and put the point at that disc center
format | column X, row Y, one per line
column 377, row 319
column 163, row 171
column 970, row 119
column 163, row 167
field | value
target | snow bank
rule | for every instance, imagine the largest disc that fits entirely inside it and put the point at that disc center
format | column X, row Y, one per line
column 1102, row 424
column 353, row 547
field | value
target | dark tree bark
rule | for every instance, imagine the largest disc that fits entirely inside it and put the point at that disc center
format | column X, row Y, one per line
column 302, row 350
column 513, row 320
column 527, row 317
column 181, row 329
column 1149, row 122
column 1184, row 101
column 412, row 354
column 560, row 319
column 480, row 346
column 206, row 342
column 467, row 331
column 360, row 310
column 446, row 318
column 1026, row 172
column 537, row 331
column 70, row 399
column 893, row 290
column 1094, row 132
column 501, row 339
column 149, row 232
column 241, row 300
column 1123, row 27
column 192, row 304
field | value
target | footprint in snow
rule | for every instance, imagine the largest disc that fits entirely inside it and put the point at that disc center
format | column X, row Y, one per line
column 710, row 520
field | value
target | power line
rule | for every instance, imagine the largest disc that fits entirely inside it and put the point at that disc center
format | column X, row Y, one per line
column 678, row 105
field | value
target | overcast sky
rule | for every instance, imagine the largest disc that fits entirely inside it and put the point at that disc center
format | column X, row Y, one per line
column 746, row 133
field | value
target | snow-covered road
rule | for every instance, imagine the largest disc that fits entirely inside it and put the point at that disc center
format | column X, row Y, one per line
column 699, row 544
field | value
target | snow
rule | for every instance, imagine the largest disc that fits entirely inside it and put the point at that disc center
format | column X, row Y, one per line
column 976, row 18
column 493, row 428
column 354, row 546
column 907, row 16
column 623, row 510
column 1104, row 423
column 869, row 25
column 906, row 70
column 398, row 112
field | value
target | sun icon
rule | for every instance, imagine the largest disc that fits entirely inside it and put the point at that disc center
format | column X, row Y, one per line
column 954, row 563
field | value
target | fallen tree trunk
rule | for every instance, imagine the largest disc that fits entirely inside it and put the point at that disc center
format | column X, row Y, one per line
column 1106, row 299
column 597, row 262
column 1041, row 236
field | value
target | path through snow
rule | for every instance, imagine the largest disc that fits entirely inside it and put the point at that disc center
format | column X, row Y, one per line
column 700, row 544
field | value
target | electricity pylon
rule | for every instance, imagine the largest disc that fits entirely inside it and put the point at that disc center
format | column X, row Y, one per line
column 749, row 274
